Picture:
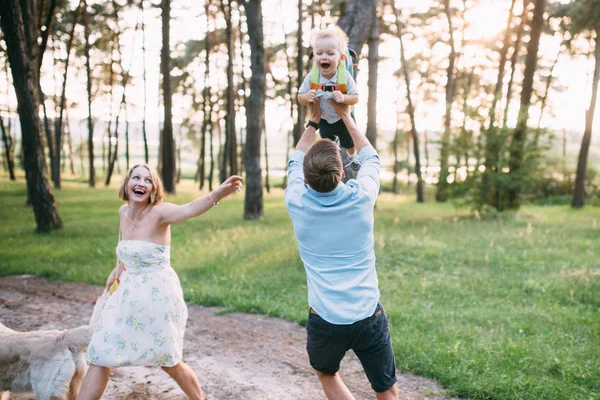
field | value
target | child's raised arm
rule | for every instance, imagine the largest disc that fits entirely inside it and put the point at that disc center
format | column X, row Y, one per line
column 173, row 214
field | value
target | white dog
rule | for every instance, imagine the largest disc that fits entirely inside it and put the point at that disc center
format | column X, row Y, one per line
column 49, row 363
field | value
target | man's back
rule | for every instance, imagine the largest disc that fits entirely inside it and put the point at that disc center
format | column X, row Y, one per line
column 334, row 231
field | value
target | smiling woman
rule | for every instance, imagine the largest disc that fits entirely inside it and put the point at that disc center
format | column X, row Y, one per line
column 143, row 321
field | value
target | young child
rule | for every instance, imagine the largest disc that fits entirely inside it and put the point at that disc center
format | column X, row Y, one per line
column 143, row 321
column 329, row 48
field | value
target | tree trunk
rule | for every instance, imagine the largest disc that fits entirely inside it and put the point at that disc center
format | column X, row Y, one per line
column 442, row 185
column 111, row 85
column 126, row 139
column 373, row 58
column 492, row 145
column 212, row 155
column 579, row 192
column 267, row 183
column 300, row 109
column 70, row 145
column 230, row 157
column 144, row 134
column 244, row 92
column 426, row 149
column 518, row 138
column 207, row 103
column 538, row 130
column 168, row 144
column 90, row 124
column 396, row 160
column 513, row 60
column 9, row 143
column 464, row 142
column 25, row 81
column 356, row 21
column 411, row 113
column 63, row 99
column 45, row 33
column 255, row 113
column 8, row 150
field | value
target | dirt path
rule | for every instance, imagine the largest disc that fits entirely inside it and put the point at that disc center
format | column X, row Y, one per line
column 236, row 356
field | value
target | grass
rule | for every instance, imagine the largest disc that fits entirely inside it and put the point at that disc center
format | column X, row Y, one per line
column 502, row 308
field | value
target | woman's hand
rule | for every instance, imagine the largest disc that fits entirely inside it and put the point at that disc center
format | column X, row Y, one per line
column 115, row 274
column 232, row 184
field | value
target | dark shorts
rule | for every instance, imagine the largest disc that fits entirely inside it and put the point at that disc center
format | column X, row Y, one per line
column 330, row 131
column 369, row 338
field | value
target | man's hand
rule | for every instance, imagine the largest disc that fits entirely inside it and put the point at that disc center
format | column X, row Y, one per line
column 339, row 97
column 311, row 95
column 341, row 109
column 315, row 111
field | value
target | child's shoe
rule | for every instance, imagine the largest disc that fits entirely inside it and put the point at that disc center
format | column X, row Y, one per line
column 351, row 164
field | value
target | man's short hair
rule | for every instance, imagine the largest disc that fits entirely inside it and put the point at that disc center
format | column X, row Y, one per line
column 323, row 166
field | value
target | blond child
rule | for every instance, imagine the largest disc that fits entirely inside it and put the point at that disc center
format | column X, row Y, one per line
column 327, row 82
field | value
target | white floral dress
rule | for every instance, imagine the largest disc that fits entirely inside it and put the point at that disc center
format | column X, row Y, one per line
column 143, row 321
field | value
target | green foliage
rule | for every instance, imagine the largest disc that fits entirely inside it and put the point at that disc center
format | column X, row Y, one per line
column 503, row 306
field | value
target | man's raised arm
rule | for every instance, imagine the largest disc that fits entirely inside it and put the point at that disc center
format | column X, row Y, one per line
column 308, row 137
column 343, row 111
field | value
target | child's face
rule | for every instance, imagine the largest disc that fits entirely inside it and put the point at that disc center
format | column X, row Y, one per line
column 327, row 56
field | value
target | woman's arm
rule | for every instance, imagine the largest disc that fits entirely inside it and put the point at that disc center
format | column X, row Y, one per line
column 170, row 213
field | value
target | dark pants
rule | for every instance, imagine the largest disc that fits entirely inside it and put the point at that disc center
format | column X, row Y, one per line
column 369, row 338
column 330, row 131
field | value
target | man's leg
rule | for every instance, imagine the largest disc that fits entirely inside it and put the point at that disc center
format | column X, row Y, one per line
column 333, row 386
column 372, row 344
column 390, row 394
column 326, row 345
column 94, row 383
column 186, row 379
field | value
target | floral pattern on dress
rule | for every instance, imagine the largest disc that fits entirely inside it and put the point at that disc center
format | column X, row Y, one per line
column 143, row 321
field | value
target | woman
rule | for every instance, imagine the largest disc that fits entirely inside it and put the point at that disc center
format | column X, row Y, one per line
column 143, row 321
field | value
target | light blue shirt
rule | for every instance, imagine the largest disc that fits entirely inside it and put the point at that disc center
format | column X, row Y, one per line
column 334, row 232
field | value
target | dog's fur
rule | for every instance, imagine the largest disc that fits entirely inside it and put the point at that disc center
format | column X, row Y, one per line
column 49, row 363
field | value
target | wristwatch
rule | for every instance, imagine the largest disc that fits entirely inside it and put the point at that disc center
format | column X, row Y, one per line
column 313, row 124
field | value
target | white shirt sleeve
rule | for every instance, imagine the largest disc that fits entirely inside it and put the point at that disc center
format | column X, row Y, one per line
column 352, row 88
column 305, row 87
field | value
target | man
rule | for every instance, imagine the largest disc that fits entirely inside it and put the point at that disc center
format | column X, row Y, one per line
column 333, row 223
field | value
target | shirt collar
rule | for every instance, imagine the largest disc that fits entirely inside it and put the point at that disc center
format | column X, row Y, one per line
column 326, row 194
column 333, row 78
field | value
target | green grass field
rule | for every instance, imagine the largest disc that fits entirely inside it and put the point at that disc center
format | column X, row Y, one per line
column 501, row 308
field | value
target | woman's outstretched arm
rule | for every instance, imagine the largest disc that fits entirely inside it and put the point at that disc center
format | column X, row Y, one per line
column 172, row 213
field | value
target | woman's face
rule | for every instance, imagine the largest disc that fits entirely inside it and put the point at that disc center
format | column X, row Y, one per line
column 139, row 187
